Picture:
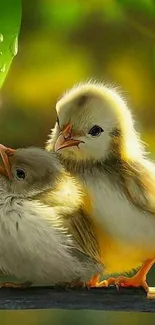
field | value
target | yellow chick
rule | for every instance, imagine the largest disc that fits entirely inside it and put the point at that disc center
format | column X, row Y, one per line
column 96, row 141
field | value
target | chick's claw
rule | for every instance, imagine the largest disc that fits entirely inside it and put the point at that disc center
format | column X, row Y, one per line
column 122, row 281
column 136, row 281
column 93, row 282
column 15, row 285
column 139, row 279
column 106, row 283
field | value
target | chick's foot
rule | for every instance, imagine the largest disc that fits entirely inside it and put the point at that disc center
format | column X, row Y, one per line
column 122, row 281
column 15, row 285
column 138, row 280
column 94, row 281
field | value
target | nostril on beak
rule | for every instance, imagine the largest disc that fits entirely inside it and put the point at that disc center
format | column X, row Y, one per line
column 67, row 133
column 67, row 137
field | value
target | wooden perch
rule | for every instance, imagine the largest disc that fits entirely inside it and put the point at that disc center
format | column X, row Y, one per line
column 95, row 299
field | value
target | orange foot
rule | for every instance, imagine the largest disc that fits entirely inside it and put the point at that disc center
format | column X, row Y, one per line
column 94, row 282
column 15, row 285
column 138, row 280
column 122, row 281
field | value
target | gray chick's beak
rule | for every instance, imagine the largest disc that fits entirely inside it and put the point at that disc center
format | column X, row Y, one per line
column 5, row 152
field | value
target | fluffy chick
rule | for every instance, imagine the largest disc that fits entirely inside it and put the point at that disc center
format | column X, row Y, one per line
column 96, row 141
column 34, row 244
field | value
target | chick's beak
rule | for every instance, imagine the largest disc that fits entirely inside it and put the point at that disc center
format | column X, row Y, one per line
column 65, row 139
column 6, row 169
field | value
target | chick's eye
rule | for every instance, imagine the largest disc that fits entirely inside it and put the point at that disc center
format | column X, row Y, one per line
column 95, row 131
column 20, row 174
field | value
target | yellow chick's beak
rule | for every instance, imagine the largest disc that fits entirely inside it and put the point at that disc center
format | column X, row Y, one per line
column 6, row 169
column 65, row 139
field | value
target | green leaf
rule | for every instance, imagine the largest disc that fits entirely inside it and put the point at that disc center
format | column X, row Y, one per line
column 10, row 19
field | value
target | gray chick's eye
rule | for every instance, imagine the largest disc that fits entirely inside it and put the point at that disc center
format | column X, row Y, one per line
column 20, row 173
column 95, row 131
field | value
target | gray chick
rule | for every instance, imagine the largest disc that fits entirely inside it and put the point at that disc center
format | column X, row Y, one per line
column 35, row 246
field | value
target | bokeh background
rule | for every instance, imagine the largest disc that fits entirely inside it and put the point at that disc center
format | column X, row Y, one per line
column 60, row 44
column 64, row 42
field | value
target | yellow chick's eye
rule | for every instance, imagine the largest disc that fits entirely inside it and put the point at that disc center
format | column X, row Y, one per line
column 95, row 131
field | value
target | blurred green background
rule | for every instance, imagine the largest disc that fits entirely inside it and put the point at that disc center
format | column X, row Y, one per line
column 62, row 43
